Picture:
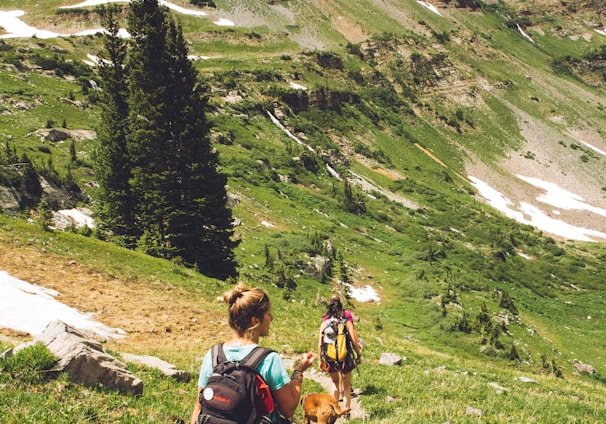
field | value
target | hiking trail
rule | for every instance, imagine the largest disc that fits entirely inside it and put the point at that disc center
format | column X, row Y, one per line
column 324, row 380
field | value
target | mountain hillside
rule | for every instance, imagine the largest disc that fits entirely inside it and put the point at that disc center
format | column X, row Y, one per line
column 448, row 156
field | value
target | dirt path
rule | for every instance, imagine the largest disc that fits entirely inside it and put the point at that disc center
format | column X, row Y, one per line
column 324, row 380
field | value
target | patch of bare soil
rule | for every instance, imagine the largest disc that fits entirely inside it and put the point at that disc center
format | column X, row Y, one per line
column 350, row 29
column 153, row 315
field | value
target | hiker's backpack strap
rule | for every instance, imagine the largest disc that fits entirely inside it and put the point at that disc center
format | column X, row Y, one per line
column 264, row 401
column 217, row 355
column 255, row 357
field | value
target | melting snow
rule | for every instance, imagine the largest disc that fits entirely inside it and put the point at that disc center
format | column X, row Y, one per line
column 224, row 22
column 524, row 34
column 364, row 294
column 297, row 86
column 595, row 149
column 429, row 6
column 16, row 28
column 162, row 3
column 30, row 308
column 554, row 196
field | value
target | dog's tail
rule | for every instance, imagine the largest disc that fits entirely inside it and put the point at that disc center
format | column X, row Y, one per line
column 340, row 412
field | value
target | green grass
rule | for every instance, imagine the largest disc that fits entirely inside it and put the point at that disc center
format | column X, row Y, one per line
column 432, row 384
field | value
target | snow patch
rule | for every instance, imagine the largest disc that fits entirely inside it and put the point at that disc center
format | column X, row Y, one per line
column 16, row 28
column 554, row 196
column 524, row 34
column 429, row 6
column 297, row 86
column 364, row 294
column 224, row 22
column 30, row 308
column 80, row 217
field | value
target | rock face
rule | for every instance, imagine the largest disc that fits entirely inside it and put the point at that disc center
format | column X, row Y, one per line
column 26, row 194
column 84, row 360
column 169, row 370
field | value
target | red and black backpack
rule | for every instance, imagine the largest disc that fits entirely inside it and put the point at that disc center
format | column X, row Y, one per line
column 236, row 393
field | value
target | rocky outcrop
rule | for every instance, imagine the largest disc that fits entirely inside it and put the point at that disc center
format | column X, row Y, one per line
column 84, row 360
column 390, row 359
column 26, row 195
column 322, row 98
column 168, row 370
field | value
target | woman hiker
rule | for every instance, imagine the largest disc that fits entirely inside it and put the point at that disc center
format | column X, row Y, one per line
column 250, row 318
column 339, row 371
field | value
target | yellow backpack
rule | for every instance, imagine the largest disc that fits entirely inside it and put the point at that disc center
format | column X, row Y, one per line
column 336, row 345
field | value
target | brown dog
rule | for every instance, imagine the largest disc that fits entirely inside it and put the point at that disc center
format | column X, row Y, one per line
column 321, row 408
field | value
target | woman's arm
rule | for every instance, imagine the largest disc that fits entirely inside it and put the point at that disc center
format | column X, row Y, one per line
column 287, row 397
column 354, row 338
column 197, row 408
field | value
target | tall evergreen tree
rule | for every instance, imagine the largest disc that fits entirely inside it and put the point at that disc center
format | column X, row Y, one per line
column 201, row 225
column 151, row 144
column 179, row 193
column 113, row 167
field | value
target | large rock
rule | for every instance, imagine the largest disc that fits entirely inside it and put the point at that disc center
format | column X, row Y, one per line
column 167, row 369
column 391, row 359
column 10, row 200
column 84, row 360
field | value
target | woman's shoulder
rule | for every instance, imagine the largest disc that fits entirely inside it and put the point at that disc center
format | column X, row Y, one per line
column 274, row 357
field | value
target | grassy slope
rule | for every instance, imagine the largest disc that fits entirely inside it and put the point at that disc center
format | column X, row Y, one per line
column 445, row 370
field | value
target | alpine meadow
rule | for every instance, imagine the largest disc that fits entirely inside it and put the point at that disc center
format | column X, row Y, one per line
column 448, row 157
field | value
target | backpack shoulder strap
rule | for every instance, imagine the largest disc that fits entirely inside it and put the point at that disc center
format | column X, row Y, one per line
column 255, row 357
column 217, row 355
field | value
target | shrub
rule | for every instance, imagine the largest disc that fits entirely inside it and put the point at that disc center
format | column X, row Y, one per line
column 28, row 366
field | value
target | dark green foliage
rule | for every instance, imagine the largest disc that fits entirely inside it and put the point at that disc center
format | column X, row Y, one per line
column 30, row 365
column 203, row 3
column 562, row 65
column 551, row 366
column 462, row 324
column 513, row 354
column 44, row 215
column 283, row 279
column 171, row 195
column 72, row 152
column 269, row 260
column 506, row 302
column 344, row 274
column 483, row 319
column 60, row 66
column 353, row 201
column 113, row 167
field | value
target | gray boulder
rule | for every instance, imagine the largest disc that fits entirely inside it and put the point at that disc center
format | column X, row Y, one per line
column 390, row 359
column 167, row 369
column 84, row 360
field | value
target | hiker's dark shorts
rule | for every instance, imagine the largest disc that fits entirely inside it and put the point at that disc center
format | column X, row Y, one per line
column 345, row 367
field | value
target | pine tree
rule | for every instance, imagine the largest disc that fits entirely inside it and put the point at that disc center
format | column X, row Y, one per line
column 113, row 167
column 179, row 193
column 149, row 139
column 201, row 225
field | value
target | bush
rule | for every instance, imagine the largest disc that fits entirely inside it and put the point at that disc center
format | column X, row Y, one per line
column 28, row 366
